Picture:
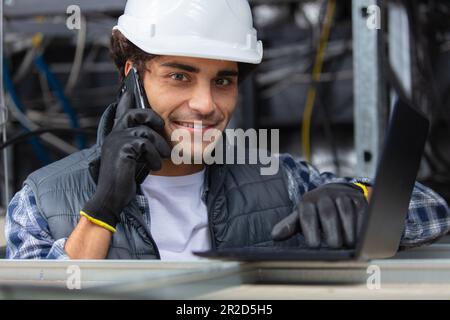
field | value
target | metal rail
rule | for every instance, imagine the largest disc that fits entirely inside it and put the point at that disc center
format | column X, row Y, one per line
column 370, row 103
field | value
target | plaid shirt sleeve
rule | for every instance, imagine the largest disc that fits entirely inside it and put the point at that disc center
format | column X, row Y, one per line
column 27, row 232
column 428, row 216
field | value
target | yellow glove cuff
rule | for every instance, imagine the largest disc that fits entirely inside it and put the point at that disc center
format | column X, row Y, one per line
column 364, row 189
column 98, row 222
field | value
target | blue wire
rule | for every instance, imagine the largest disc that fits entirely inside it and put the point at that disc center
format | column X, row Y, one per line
column 38, row 148
column 59, row 92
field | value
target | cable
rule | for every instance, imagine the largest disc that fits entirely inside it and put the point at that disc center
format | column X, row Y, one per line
column 47, row 97
column 317, row 70
column 309, row 23
column 37, row 46
column 25, row 65
column 28, row 124
column 281, row 78
column 9, row 86
column 50, row 119
column 27, row 135
column 78, row 58
column 55, row 85
column 275, row 74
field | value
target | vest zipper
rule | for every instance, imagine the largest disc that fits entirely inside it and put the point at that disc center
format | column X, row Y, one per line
column 158, row 255
column 210, row 216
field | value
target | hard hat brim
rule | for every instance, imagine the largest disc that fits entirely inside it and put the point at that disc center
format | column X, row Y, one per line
column 197, row 47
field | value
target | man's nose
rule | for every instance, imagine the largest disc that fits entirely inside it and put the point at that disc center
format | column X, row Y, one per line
column 202, row 100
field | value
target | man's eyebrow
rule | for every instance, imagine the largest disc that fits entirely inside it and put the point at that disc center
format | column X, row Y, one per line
column 181, row 66
column 188, row 68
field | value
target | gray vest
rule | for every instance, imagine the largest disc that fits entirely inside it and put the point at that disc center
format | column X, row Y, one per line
column 242, row 205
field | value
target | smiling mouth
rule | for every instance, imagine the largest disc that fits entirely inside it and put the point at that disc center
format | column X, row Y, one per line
column 194, row 125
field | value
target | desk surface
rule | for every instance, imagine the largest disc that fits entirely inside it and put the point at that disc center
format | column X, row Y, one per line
column 419, row 273
column 330, row 292
column 400, row 278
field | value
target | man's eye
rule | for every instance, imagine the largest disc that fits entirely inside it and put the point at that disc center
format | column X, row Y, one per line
column 179, row 77
column 223, row 82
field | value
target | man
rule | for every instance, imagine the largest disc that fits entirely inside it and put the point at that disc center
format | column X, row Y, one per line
column 191, row 55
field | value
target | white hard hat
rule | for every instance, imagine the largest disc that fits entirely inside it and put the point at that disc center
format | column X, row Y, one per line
column 213, row 29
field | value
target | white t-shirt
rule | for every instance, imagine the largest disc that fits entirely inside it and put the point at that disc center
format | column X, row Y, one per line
column 179, row 218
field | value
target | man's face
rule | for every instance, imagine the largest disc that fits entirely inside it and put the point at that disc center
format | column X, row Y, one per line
column 186, row 91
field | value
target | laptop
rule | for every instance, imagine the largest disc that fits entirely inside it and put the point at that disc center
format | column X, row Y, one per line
column 384, row 222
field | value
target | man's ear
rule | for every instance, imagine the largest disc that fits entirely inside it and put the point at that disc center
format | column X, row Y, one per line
column 128, row 66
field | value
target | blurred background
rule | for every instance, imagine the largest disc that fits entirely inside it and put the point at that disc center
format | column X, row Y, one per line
column 330, row 74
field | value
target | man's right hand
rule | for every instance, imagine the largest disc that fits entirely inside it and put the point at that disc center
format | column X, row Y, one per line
column 133, row 141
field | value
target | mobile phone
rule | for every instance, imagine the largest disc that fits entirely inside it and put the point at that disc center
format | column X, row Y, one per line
column 133, row 84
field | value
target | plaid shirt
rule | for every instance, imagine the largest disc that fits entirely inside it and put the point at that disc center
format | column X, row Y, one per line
column 28, row 235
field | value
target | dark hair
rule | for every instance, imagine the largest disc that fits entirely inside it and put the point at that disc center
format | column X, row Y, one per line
column 123, row 49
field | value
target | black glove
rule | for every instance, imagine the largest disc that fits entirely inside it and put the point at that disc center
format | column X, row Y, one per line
column 130, row 143
column 332, row 214
column 128, row 115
